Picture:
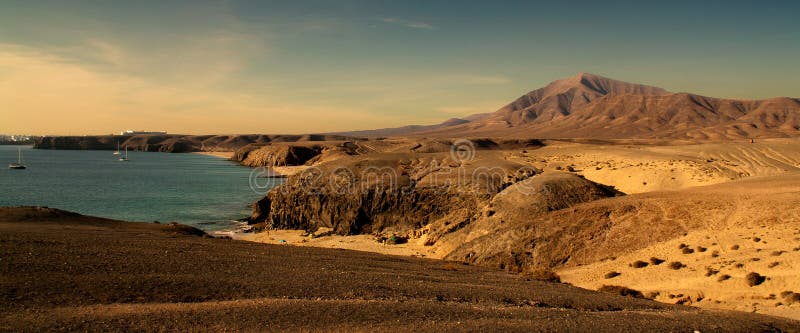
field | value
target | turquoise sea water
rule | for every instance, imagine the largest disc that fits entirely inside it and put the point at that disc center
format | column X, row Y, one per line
column 203, row 191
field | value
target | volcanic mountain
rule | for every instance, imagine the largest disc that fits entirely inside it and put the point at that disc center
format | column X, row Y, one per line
column 595, row 107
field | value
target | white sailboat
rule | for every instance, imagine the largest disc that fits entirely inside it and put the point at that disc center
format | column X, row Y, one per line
column 124, row 158
column 116, row 152
column 19, row 164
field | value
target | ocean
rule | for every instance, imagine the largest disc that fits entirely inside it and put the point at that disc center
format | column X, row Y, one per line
column 207, row 192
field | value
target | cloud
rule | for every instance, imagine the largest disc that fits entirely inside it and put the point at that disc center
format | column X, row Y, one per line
column 45, row 93
column 408, row 24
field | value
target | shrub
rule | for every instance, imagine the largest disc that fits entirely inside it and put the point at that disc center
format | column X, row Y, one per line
column 682, row 246
column 756, row 239
column 754, row 279
column 715, row 254
column 611, row 275
column 676, row 265
column 723, row 277
column 622, row 291
column 394, row 239
column 542, row 275
column 711, row 271
column 638, row 264
column 687, row 250
column 791, row 298
column 776, row 253
column 773, row 264
column 735, row 247
column 656, row 261
column 570, row 169
column 701, row 249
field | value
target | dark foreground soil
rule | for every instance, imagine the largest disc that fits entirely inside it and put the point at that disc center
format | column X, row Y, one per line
column 66, row 272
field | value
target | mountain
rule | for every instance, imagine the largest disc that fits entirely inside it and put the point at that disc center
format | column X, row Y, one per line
column 411, row 129
column 595, row 107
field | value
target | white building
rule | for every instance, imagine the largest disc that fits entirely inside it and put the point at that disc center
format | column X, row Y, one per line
column 131, row 132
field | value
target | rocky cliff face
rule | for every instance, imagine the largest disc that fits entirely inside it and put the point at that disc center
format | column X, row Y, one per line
column 275, row 155
column 386, row 193
column 486, row 211
column 173, row 143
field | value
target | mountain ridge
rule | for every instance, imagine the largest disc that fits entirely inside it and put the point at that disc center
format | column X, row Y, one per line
column 590, row 106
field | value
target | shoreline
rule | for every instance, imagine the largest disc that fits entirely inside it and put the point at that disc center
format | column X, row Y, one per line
column 220, row 154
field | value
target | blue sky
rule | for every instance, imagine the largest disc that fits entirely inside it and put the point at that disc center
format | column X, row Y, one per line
column 75, row 67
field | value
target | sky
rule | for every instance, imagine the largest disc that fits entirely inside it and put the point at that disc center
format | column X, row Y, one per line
column 280, row 67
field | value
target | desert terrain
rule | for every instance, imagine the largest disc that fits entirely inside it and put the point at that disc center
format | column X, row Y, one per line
column 69, row 272
column 676, row 197
column 708, row 195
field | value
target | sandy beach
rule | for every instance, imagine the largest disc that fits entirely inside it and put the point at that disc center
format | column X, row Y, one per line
column 221, row 154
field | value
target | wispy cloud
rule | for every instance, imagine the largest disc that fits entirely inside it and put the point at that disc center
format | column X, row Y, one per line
column 44, row 92
column 407, row 23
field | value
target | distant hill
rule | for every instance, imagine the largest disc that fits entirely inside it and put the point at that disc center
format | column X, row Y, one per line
column 411, row 129
column 595, row 107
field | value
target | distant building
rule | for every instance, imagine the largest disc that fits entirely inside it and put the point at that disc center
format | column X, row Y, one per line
column 130, row 132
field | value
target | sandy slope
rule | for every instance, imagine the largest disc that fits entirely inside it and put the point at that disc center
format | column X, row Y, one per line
column 63, row 272
column 776, row 255
column 647, row 168
column 724, row 191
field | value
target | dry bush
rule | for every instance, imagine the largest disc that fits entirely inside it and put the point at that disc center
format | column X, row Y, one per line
column 754, row 279
column 676, row 265
column 542, row 275
column 656, row 261
column 735, row 247
column 723, row 277
column 687, row 250
column 715, row 254
column 773, row 264
column 711, row 271
column 622, row 291
column 611, row 275
column 791, row 297
column 777, row 253
column 756, row 239
column 701, row 249
column 638, row 264
column 682, row 246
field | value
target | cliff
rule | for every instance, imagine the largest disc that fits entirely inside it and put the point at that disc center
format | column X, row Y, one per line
column 173, row 143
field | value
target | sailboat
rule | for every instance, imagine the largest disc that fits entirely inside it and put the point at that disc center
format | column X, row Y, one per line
column 116, row 152
column 19, row 164
column 124, row 158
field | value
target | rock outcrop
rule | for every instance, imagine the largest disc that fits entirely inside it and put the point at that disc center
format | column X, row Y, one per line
column 275, row 155
column 367, row 194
